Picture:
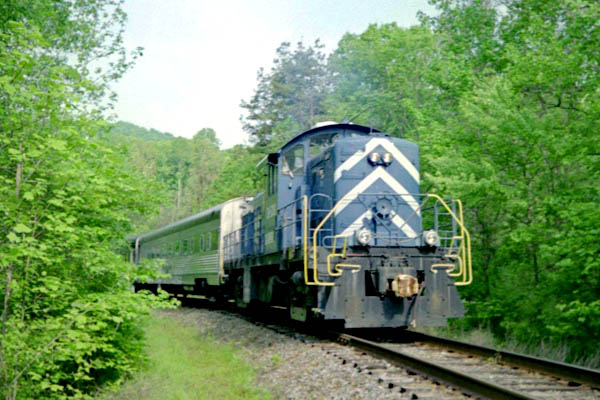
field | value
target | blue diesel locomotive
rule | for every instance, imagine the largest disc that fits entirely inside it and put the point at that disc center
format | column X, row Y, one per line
column 340, row 232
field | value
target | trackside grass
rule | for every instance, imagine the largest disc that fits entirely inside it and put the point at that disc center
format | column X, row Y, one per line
column 184, row 365
column 483, row 337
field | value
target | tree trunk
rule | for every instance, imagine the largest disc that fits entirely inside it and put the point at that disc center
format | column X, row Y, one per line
column 9, row 275
column 11, row 393
column 179, row 193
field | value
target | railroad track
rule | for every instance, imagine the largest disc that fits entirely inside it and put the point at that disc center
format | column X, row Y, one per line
column 476, row 370
column 420, row 366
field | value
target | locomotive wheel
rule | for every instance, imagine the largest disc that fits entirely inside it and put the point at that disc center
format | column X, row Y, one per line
column 299, row 310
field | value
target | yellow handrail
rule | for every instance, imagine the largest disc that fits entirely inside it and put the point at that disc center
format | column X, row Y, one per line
column 462, row 250
column 315, row 262
column 338, row 271
column 334, row 254
column 465, row 267
column 305, row 249
column 463, row 257
column 305, row 240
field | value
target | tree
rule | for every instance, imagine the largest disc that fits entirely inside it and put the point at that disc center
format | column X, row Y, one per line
column 68, row 321
column 379, row 78
column 177, row 171
column 206, row 166
column 127, row 129
column 238, row 176
column 520, row 149
column 290, row 97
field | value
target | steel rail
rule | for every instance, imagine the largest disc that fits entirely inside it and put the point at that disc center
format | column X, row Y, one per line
column 463, row 382
column 581, row 375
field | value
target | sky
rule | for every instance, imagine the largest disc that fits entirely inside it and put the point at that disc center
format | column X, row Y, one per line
column 201, row 57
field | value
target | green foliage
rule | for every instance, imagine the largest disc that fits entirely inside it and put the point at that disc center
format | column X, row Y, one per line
column 190, row 175
column 239, row 176
column 288, row 99
column 185, row 365
column 68, row 317
column 522, row 154
column 178, row 171
column 379, row 78
column 128, row 129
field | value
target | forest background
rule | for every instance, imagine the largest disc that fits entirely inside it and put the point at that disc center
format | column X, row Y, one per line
column 502, row 98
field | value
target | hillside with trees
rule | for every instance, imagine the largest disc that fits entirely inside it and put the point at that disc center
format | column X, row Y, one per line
column 502, row 98
column 128, row 129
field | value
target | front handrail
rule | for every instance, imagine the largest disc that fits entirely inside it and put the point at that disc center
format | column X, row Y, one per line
column 315, row 245
column 462, row 257
column 338, row 271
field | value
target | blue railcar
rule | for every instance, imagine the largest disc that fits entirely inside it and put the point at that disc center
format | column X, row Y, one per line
column 341, row 232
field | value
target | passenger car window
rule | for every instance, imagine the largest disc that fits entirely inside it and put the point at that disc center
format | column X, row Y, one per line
column 292, row 162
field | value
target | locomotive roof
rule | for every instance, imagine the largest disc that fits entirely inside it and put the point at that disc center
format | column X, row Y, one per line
column 332, row 127
column 272, row 157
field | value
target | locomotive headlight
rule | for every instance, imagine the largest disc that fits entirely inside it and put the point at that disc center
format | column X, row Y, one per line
column 431, row 238
column 374, row 158
column 387, row 158
column 363, row 236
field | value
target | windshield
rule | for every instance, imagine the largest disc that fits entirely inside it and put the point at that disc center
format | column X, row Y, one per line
column 292, row 162
column 319, row 143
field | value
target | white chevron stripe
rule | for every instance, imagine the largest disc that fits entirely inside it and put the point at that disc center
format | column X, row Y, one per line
column 397, row 220
column 402, row 224
column 357, row 224
column 369, row 147
column 378, row 173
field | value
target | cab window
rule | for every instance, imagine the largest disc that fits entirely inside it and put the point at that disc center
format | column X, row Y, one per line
column 292, row 162
column 319, row 143
column 271, row 179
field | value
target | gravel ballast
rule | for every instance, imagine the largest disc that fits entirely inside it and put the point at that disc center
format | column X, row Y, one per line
column 296, row 366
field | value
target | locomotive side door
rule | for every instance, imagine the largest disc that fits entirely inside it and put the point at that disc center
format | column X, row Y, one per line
column 292, row 167
column 269, row 206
